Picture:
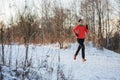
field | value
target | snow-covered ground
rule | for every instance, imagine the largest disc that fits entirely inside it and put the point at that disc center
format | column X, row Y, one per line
column 100, row 64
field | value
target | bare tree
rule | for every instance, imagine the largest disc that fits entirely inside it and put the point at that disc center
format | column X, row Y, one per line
column 118, row 25
column 27, row 27
column 58, row 20
column 2, row 26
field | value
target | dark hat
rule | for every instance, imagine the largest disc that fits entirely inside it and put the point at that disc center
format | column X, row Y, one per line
column 79, row 20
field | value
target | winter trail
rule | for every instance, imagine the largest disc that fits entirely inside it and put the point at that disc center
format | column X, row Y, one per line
column 100, row 65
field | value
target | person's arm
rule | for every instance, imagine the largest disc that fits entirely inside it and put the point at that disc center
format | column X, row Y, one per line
column 86, row 29
column 74, row 30
column 86, row 26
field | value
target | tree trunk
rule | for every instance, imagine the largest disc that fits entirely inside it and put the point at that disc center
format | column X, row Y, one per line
column 2, row 42
column 26, row 56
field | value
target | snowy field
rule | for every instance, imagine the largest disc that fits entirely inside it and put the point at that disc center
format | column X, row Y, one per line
column 50, row 63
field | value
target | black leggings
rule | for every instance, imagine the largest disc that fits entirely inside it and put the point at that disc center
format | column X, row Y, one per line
column 81, row 45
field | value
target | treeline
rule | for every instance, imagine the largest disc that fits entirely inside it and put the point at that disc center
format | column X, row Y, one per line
column 104, row 27
column 51, row 23
column 30, row 29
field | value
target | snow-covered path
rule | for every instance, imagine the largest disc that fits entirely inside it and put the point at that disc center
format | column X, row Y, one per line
column 100, row 65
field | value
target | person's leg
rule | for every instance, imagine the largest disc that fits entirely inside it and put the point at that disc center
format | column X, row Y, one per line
column 78, row 49
column 81, row 42
column 83, row 49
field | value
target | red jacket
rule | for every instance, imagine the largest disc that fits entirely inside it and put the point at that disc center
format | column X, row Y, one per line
column 80, row 30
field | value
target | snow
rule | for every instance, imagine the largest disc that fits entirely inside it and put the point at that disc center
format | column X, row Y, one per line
column 100, row 65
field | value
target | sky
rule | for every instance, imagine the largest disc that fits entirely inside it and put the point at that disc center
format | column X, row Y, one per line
column 6, row 11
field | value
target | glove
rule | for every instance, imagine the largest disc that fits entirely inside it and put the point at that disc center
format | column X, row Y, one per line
column 76, row 34
column 86, row 26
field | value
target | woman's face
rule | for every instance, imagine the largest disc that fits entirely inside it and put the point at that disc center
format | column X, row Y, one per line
column 81, row 22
